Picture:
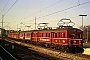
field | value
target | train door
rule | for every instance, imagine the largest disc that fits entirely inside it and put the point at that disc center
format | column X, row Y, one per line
column 52, row 36
column 37, row 34
column 31, row 35
column 23, row 36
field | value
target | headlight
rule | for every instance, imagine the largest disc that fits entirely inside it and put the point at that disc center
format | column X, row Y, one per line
column 63, row 41
column 74, row 41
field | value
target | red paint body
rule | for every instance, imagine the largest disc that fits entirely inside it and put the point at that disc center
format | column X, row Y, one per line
column 56, row 36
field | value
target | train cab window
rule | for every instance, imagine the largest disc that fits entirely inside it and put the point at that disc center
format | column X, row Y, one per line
column 78, row 35
column 71, row 35
column 27, row 35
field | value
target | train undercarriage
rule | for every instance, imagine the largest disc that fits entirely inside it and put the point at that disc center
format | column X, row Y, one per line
column 69, row 49
column 63, row 48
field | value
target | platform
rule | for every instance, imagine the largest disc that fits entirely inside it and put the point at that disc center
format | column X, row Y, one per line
column 86, row 45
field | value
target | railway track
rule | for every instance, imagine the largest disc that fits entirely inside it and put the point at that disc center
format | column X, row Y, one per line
column 23, row 52
column 5, row 55
column 53, row 53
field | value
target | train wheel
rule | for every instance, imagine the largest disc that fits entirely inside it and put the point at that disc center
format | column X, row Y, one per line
column 52, row 46
column 47, row 45
column 67, row 49
column 63, row 49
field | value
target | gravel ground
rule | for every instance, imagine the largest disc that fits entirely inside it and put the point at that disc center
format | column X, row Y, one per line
column 22, row 52
column 53, row 53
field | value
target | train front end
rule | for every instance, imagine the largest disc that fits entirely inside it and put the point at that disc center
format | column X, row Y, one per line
column 75, row 40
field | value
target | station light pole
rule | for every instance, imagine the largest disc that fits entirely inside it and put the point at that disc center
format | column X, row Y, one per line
column 82, row 15
column 2, row 21
column 82, row 18
column 2, row 27
column 25, row 25
column 87, row 33
column 35, row 23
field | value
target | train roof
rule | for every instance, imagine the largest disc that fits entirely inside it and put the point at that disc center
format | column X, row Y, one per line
column 58, row 29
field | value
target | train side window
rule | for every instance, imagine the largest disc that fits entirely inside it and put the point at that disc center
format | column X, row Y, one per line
column 27, row 34
column 42, row 34
column 34, row 34
column 39, row 34
column 21, row 34
column 55, row 35
column 52, row 34
column 63, row 35
column 59, row 35
column 78, row 35
column 71, row 35
column 47, row 34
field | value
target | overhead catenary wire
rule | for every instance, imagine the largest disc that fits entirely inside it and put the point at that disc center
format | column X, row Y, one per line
column 57, row 11
column 45, row 8
column 64, row 9
column 69, row 17
column 11, row 7
column 4, row 6
column 8, row 11
column 57, row 20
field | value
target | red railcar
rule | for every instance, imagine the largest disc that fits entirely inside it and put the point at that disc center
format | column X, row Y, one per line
column 58, row 36
column 66, row 39
column 22, row 36
column 14, row 35
column 28, row 35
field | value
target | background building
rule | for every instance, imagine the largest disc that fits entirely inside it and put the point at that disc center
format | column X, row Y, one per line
column 2, row 32
column 86, row 33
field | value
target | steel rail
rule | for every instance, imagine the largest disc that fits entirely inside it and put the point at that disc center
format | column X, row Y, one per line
column 0, row 58
column 8, row 53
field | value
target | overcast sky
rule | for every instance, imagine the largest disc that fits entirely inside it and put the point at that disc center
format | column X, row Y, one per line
column 50, row 11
